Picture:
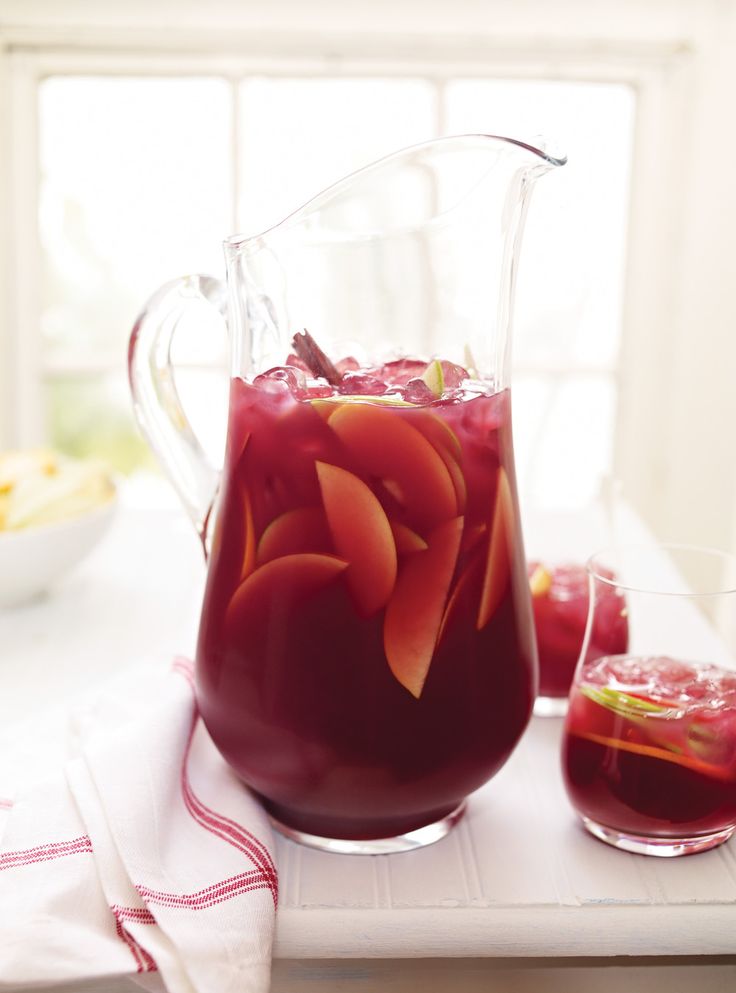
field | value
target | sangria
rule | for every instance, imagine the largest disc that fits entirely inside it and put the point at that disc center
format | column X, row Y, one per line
column 366, row 654
column 649, row 744
column 650, row 749
column 560, row 602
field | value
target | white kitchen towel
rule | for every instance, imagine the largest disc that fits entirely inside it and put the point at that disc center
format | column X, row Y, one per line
column 140, row 853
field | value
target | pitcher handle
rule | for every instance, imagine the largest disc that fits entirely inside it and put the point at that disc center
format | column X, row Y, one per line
column 156, row 402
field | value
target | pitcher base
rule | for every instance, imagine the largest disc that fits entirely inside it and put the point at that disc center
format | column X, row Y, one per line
column 419, row 838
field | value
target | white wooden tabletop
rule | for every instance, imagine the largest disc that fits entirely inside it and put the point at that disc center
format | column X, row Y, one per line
column 517, row 897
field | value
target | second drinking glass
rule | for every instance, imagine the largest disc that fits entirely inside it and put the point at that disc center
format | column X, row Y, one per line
column 649, row 745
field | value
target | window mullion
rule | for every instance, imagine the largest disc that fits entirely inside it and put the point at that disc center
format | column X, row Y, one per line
column 440, row 109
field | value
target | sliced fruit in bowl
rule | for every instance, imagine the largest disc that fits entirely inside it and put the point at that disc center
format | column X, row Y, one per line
column 53, row 510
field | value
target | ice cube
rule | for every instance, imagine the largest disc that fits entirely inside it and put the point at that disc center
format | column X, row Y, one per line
column 361, row 384
column 417, row 391
column 316, row 389
column 400, row 371
column 453, row 375
column 281, row 378
column 296, row 363
column 348, row 364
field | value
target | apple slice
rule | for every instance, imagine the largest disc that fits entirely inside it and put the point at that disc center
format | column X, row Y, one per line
column 303, row 529
column 467, row 581
column 498, row 563
column 249, row 546
column 472, row 535
column 447, row 445
column 414, row 612
column 362, row 535
column 405, row 539
column 280, row 583
column 438, row 432
column 238, row 448
column 384, row 444
column 458, row 480
column 323, row 407
column 248, row 561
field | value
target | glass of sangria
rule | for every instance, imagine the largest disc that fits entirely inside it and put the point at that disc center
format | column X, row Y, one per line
column 649, row 743
column 560, row 601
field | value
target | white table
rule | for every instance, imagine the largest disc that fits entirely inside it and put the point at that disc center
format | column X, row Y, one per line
column 516, row 898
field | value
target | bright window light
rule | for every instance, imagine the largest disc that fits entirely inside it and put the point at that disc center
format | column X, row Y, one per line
column 142, row 177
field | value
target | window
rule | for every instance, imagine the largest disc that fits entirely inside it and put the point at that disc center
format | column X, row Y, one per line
column 570, row 288
column 141, row 177
column 623, row 307
column 136, row 187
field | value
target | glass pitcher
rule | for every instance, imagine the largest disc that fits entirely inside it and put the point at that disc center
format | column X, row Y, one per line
column 366, row 654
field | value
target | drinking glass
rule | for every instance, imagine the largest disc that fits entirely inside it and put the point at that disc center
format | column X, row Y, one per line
column 649, row 743
column 560, row 602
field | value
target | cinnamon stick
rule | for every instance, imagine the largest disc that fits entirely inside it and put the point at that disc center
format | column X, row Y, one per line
column 314, row 358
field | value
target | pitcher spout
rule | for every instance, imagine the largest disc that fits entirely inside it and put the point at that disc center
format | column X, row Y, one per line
column 419, row 247
column 439, row 157
column 543, row 149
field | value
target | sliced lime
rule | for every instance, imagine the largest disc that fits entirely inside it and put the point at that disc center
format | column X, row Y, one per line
column 623, row 703
column 434, row 378
column 385, row 401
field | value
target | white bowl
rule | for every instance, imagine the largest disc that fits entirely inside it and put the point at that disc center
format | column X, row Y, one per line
column 32, row 559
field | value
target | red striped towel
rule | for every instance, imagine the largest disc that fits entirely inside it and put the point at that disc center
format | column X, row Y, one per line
column 143, row 854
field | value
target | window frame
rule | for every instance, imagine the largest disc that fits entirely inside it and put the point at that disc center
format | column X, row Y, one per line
column 675, row 62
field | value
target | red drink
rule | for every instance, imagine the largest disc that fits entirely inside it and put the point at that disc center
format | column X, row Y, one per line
column 365, row 655
column 650, row 748
column 560, row 597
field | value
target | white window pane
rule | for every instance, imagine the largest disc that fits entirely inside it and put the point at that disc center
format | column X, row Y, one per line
column 563, row 437
column 204, row 393
column 570, row 285
column 92, row 416
column 301, row 135
column 135, row 191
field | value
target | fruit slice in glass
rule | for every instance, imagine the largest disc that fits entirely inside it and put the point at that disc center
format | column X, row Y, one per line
column 649, row 745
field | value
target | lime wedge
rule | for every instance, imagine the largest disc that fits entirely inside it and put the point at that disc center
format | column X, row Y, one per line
column 384, row 401
column 434, row 378
column 470, row 363
column 623, row 703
